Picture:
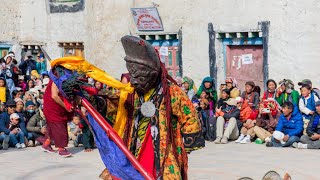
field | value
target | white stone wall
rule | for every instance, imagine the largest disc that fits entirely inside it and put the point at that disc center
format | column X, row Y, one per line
column 293, row 42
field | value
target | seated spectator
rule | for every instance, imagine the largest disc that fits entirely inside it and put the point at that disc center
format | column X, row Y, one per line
column 30, row 84
column 188, row 86
column 263, row 126
column 208, row 121
column 17, row 131
column 251, row 97
column 286, row 93
column 19, row 105
column 289, row 127
column 225, row 94
column 307, row 104
column 222, row 87
column 271, row 91
column 100, row 89
column 17, row 94
column 4, row 91
column 5, row 120
column 228, row 123
column 208, row 87
column 29, row 97
column 73, row 129
column 232, row 86
column 245, row 110
column 37, row 126
column 21, row 83
column 30, row 110
column 36, row 79
column 307, row 82
column 312, row 140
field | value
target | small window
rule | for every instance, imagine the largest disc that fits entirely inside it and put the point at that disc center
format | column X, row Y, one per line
column 72, row 49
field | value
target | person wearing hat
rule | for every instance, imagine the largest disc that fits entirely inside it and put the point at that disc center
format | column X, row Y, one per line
column 228, row 122
column 312, row 139
column 27, row 65
column 249, row 96
column 286, row 92
column 5, row 119
column 36, row 78
column 154, row 90
column 290, row 124
column 307, row 104
column 232, row 86
column 21, row 83
column 307, row 82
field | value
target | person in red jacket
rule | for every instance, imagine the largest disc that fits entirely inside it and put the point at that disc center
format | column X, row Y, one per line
column 56, row 114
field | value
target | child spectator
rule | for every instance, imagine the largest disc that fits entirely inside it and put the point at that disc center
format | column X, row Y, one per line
column 307, row 104
column 232, row 86
column 4, row 92
column 208, row 121
column 271, row 91
column 21, row 83
column 86, row 138
column 73, row 128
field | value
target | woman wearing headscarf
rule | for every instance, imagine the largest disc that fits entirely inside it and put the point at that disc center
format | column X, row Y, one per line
column 189, row 87
column 232, row 86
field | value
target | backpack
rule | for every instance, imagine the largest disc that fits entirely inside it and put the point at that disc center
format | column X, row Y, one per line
column 316, row 92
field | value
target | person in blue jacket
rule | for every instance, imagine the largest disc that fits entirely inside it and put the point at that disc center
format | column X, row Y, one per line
column 16, row 132
column 290, row 124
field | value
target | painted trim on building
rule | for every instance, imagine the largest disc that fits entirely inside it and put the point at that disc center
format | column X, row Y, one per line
column 265, row 38
column 212, row 53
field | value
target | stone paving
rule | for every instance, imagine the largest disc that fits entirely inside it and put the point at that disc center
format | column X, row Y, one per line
column 230, row 161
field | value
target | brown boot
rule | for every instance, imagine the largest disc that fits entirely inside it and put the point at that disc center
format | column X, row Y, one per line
column 105, row 175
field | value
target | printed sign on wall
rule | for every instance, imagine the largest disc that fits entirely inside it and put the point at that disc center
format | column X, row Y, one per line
column 147, row 19
column 65, row 6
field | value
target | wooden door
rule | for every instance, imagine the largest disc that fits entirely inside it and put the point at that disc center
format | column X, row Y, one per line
column 245, row 63
column 171, row 61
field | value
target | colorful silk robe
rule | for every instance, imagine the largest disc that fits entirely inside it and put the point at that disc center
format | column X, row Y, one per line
column 185, row 124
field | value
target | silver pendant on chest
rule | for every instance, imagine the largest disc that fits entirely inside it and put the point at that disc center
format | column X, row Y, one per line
column 148, row 109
